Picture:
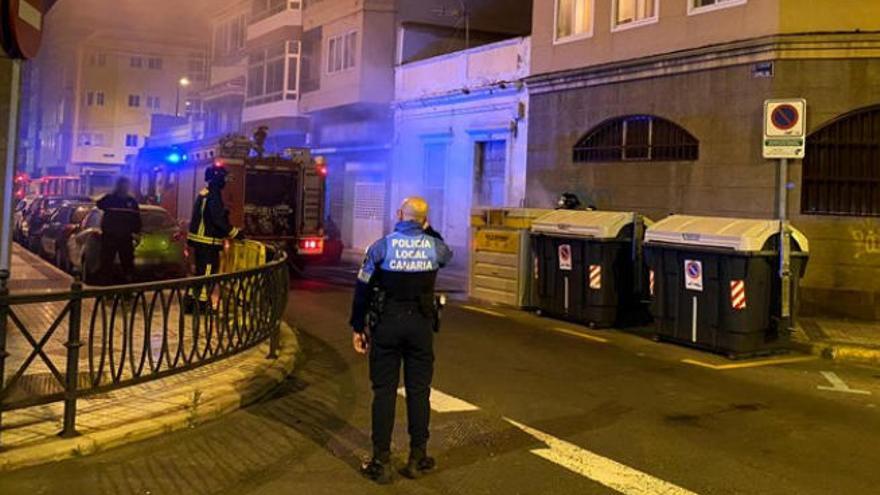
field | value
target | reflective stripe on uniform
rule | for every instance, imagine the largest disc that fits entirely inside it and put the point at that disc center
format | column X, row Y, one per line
column 203, row 293
column 203, row 239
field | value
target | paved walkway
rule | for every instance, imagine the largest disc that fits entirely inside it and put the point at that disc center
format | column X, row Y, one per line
column 30, row 273
column 37, row 360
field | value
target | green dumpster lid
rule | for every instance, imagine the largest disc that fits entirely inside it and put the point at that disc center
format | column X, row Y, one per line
column 740, row 234
column 595, row 224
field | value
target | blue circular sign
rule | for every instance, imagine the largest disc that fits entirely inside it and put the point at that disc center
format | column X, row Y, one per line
column 785, row 117
column 693, row 269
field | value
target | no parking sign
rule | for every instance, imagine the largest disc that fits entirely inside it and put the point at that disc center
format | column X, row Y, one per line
column 693, row 275
column 565, row 257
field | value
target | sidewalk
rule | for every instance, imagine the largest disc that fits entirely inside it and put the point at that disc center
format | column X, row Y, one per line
column 843, row 340
column 29, row 436
column 29, row 273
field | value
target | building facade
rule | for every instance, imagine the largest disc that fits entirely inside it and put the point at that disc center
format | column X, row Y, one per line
column 656, row 106
column 461, row 134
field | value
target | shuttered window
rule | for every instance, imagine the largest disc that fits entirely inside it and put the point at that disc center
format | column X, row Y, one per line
column 841, row 170
column 637, row 138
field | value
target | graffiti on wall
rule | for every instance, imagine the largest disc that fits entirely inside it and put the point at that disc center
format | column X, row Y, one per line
column 867, row 237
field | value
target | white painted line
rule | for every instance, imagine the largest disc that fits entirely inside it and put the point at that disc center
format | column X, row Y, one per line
column 445, row 403
column 610, row 473
column 581, row 335
column 484, row 311
column 838, row 385
column 749, row 364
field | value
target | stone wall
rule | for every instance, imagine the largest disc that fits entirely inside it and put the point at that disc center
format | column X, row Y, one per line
column 723, row 109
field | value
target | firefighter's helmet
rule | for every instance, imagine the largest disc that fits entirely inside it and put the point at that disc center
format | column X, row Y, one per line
column 215, row 173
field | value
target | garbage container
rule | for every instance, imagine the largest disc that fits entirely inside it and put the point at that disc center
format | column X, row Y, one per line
column 714, row 282
column 500, row 272
column 588, row 267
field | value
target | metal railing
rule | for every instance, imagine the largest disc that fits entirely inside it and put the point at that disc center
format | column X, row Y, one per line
column 121, row 336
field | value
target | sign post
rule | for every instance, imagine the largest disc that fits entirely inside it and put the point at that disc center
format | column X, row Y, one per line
column 21, row 33
column 785, row 137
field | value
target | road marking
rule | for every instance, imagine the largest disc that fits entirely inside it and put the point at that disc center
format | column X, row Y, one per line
column 484, row 311
column 610, row 473
column 838, row 385
column 445, row 403
column 574, row 333
column 750, row 364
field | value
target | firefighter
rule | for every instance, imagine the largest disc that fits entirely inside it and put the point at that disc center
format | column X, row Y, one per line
column 208, row 231
column 120, row 232
column 393, row 318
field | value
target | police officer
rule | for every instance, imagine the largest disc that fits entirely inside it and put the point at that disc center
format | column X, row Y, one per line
column 209, row 229
column 400, row 271
column 120, row 231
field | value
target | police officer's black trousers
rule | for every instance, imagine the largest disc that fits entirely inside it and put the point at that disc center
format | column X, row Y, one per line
column 111, row 247
column 404, row 335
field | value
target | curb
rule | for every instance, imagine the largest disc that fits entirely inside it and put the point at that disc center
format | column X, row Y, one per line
column 221, row 399
column 846, row 353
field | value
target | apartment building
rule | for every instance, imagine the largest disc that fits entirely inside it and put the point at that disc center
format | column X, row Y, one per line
column 223, row 97
column 461, row 134
column 656, row 106
column 99, row 85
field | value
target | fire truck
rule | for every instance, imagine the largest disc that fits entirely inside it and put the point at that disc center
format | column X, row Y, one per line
column 278, row 200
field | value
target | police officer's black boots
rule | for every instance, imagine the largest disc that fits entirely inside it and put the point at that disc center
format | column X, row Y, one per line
column 378, row 469
column 419, row 464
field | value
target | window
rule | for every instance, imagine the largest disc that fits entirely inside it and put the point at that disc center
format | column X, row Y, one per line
column 490, row 171
column 700, row 6
column 98, row 59
column 134, row 101
column 229, row 36
column 574, row 19
column 434, row 180
column 341, row 52
column 136, row 62
column 637, row 138
column 91, row 139
column 131, row 140
column 841, row 169
column 629, row 13
column 153, row 103
column 261, row 9
column 197, row 68
column 310, row 65
column 94, row 98
column 272, row 74
column 154, row 63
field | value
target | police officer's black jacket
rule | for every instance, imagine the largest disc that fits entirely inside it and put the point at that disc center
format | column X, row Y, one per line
column 210, row 219
column 122, row 215
column 403, row 265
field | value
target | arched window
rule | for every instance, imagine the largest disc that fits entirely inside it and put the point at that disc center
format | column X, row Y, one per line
column 841, row 170
column 637, row 138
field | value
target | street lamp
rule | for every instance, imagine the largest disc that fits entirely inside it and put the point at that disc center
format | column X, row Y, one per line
column 183, row 83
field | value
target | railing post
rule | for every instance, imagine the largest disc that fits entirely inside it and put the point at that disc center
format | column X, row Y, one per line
column 4, row 312
column 73, row 345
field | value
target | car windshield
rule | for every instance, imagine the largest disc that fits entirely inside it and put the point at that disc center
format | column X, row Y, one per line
column 154, row 220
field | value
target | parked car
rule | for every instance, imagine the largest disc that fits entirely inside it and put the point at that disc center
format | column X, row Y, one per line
column 20, row 212
column 38, row 213
column 159, row 255
column 61, row 225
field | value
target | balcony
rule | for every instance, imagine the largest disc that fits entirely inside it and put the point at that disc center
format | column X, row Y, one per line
column 270, row 15
column 484, row 66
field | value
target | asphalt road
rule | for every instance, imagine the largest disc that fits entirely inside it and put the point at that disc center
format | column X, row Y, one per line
column 524, row 407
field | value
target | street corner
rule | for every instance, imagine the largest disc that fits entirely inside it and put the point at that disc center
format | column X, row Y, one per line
column 142, row 412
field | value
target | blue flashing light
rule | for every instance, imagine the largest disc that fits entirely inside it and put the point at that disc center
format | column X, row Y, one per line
column 174, row 158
